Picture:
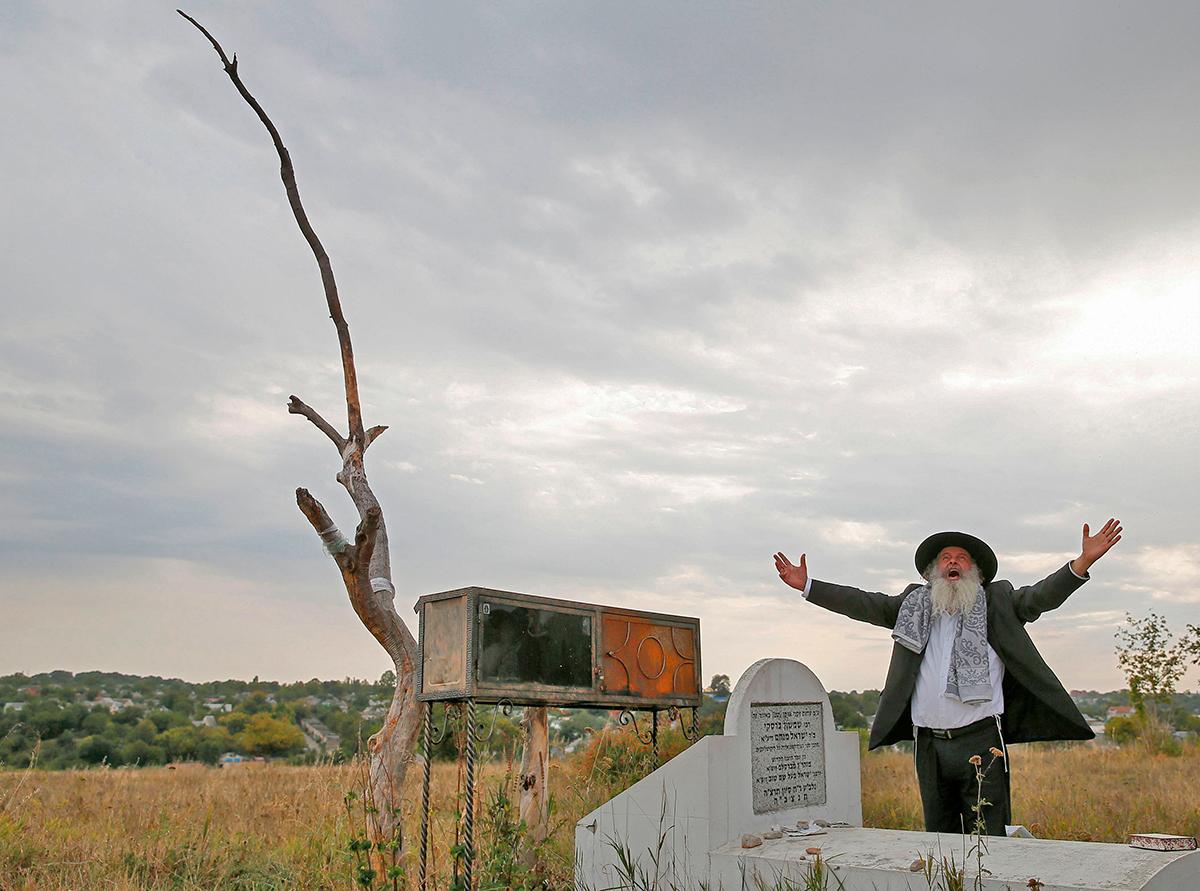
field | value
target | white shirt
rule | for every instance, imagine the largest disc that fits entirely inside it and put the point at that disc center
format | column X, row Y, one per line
column 931, row 705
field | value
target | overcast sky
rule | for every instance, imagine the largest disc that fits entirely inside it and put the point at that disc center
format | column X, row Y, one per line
column 645, row 291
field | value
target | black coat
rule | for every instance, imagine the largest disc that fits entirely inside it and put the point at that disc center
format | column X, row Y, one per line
column 1036, row 707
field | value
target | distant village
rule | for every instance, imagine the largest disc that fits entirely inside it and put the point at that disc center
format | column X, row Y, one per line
column 62, row 719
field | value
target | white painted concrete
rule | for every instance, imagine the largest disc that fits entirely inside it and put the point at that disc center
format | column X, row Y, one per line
column 879, row 859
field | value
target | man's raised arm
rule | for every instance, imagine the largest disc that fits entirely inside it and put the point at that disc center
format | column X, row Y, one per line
column 1050, row 593
column 865, row 606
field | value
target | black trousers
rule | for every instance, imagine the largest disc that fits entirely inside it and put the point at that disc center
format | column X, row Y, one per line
column 949, row 785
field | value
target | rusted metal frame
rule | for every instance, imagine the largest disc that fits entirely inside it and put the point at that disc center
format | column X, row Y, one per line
column 519, row 598
column 699, row 670
column 427, row 748
column 446, row 722
column 505, row 707
column 553, row 694
column 628, row 718
column 556, row 696
column 691, row 731
column 419, row 668
column 650, row 737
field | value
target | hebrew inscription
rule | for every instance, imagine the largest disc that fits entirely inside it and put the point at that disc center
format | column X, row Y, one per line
column 787, row 755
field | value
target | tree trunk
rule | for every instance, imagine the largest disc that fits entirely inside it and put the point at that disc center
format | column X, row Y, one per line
column 365, row 563
column 534, row 809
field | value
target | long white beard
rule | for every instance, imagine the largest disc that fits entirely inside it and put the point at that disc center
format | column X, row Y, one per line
column 953, row 596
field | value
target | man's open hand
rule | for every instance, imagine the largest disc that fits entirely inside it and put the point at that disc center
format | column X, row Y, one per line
column 796, row 576
column 1096, row 546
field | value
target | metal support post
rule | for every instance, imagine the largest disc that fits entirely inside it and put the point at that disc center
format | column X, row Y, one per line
column 427, row 751
column 469, row 817
column 654, row 734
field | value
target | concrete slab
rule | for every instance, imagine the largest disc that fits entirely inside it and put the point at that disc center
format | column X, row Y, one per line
column 879, row 860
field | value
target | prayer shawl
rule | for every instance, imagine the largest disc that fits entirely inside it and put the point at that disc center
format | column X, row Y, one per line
column 969, row 679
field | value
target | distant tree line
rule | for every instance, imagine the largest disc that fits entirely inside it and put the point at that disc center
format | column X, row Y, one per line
column 63, row 720
column 66, row 720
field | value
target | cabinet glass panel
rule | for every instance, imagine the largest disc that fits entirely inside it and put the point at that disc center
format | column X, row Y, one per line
column 527, row 645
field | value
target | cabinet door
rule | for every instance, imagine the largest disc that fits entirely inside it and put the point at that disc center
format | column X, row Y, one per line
column 444, row 647
column 647, row 658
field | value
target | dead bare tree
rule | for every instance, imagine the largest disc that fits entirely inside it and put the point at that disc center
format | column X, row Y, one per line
column 364, row 563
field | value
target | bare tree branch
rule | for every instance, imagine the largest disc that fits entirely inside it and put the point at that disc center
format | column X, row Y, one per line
column 374, row 607
column 374, row 433
column 364, row 538
column 297, row 407
column 314, row 510
column 288, row 174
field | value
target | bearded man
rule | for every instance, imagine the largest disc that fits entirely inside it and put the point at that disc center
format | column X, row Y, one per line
column 965, row 679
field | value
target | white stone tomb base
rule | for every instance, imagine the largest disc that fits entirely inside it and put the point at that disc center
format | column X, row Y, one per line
column 879, row 859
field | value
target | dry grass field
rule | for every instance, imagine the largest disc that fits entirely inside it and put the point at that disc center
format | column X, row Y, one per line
column 1075, row 792
column 274, row 827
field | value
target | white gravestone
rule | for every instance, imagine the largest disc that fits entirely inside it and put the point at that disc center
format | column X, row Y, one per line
column 780, row 760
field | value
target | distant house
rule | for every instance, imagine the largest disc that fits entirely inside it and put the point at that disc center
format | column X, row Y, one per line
column 233, row 759
column 1097, row 727
column 113, row 705
column 318, row 733
column 14, row 706
column 218, row 706
column 1120, row 711
column 206, row 721
column 374, row 709
column 574, row 744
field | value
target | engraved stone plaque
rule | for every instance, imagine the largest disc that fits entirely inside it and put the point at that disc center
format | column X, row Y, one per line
column 787, row 755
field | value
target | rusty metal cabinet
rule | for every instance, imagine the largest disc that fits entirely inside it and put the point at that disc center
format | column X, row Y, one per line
column 489, row 645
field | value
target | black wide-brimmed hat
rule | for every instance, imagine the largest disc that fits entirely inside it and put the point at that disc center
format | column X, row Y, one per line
column 984, row 556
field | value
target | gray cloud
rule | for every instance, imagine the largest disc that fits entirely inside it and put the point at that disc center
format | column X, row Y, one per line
column 646, row 294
